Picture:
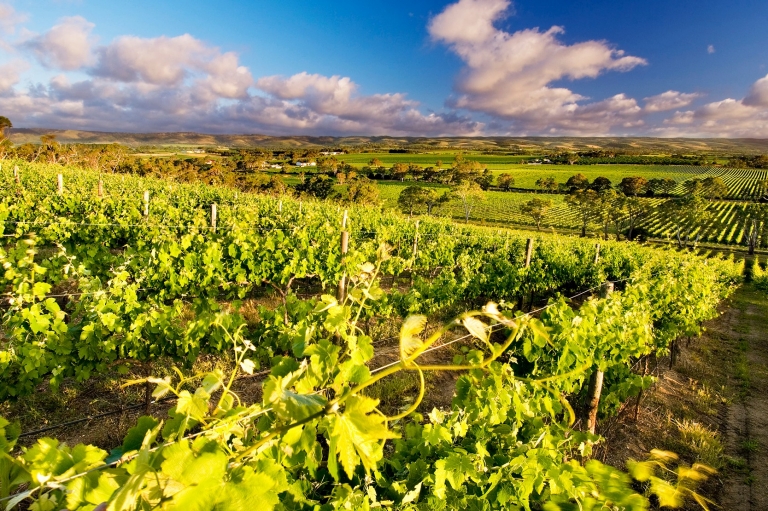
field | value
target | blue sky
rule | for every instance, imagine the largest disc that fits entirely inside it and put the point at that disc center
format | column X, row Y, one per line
column 462, row 67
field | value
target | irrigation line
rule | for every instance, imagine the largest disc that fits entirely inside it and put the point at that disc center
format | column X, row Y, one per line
column 91, row 417
column 125, row 409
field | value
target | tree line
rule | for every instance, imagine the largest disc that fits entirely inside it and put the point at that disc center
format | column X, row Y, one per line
column 598, row 157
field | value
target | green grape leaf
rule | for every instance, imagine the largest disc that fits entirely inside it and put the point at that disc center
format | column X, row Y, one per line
column 289, row 405
column 357, row 435
column 135, row 436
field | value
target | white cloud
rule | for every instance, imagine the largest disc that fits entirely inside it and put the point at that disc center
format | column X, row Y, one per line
column 669, row 100
column 10, row 73
column 729, row 117
column 9, row 18
column 711, row 49
column 68, row 45
column 758, row 94
column 313, row 101
column 510, row 75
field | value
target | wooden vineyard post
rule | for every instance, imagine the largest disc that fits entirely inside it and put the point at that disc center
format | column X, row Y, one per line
column 280, row 206
column 301, row 203
column 101, row 189
column 16, row 176
column 596, row 381
column 528, row 255
column 214, row 217
column 597, row 253
column 416, row 241
column 528, row 252
column 341, row 295
column 60, row 184
column 146, row 203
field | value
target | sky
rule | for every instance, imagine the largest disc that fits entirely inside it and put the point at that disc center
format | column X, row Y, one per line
column 692, row 68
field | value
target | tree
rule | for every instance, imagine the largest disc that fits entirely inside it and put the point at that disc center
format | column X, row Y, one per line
column 714, row 188
column 486, row 180
column 399, row 171
column 412, row 197
column 537, row 209
column 469, row 193
column 416, row 171
column 5, row 124
column 328, row 164
column 637, row 209
column 577, row 182
column 754, row 216
column 602, row 207
column 364, row 191
column 547, row 184
column 375, row 163
column 465, row 170
column 505, row 181
column 633, row 186
column 434, row 199
column 663, row 186
column 319, row 186
column 686, row 214
column 583, row 203
column 617, row 213
column 693, row 186
column 600, row 184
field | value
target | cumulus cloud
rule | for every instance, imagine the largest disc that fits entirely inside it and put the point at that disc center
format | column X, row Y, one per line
column 67, row 46
column 312, row 101
column 711, row 49
column 747, row 117
column 669, row 100
column 10, row 73
column 9, row 18
column 202, row 89
column 103, row 104
column 758, row 94
column 510, row 75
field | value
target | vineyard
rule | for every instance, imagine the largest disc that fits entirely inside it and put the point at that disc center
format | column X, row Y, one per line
column 727, row 224
column 107, row 273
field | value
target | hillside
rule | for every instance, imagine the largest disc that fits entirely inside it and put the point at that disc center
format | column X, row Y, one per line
column 646, row 144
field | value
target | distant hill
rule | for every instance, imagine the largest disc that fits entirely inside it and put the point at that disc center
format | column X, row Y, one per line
column 646, row 144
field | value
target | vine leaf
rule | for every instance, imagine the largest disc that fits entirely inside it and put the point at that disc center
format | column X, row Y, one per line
column 409, row 335
column 476, row 327
column 195, row 479
column 357, row 435
column 289, row 405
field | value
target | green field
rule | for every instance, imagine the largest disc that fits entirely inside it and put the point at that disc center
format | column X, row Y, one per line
column 492, row 161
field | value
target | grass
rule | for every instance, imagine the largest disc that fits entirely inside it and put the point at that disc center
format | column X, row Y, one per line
column 702, row 443
column 750, row 446
column 742, row 368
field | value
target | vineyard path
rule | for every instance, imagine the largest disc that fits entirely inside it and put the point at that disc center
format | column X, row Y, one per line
column 746, row 428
